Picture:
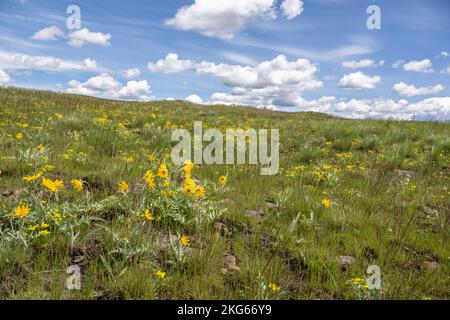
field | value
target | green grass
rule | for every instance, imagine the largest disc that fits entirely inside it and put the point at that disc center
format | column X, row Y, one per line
column 387, row 182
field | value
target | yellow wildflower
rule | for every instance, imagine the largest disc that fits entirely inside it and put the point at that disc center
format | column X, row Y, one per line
column 77, row 184
column 163, row 173
column 189, row 186
column 33, row 177
column 19, row 136
column 43, row 232
column 123, row 187
column 150, row 179
column 128, row 159
column 53, row 186
column 48, row 168
column 184, row 239
column 32, row 228
column 188, row 166
column 188, row 189
column 57, row 216
column 200, row 192
column 148, row 215
column 160, row 274
column 274, row 287
column 326, row 203
column 223, row 180
column 21, row 211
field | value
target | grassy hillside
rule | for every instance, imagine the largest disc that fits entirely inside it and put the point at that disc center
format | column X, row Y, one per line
column 349, row 194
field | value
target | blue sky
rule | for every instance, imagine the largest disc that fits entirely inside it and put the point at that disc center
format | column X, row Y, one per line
column 290, row 55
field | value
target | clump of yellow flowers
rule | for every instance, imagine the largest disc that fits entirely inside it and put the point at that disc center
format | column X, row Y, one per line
column 189, row 186
column 272, row 286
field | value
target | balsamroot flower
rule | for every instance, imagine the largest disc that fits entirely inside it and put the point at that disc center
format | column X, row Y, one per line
column 51, row 185
column 184, row 239
column 123, row 187
column 163, row 173
column 21, row 211
column 326, row 203
column 77, row 184
column 223, row 180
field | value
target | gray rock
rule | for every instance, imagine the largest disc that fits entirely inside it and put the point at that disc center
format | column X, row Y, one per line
column 271, row 204
column 257, row 215
column 430, row 265
column 347, row 260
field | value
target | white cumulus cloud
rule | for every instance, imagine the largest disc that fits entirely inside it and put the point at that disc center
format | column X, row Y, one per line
column 218, row 18
column 278, row 72
column 423, row 66
column 431, row 109
column 48, row 34
column 80, row 37
column 135, row 90
column 193, row 98
column 406, row 90
column 435, row 109
column 102, row 82
column 13, row 60
column 358, row 81
column 171, row 64
column 358, row 64
column 105, row 86
column 278, row 81
column 292, row 8
column 131, row 73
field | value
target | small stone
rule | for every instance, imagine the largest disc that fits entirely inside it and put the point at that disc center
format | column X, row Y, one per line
column 77, row 259
column 271, row 204
column 220, row 227
column 405, row 175
column 230, row 262
column 13, row 194
column 225, row 201
column 430, row 265
column 347, row 260
column 257, row 215
column 430, row 211
column 96, row 295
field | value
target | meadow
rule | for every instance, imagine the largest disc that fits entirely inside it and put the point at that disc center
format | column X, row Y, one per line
column 90, row 182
